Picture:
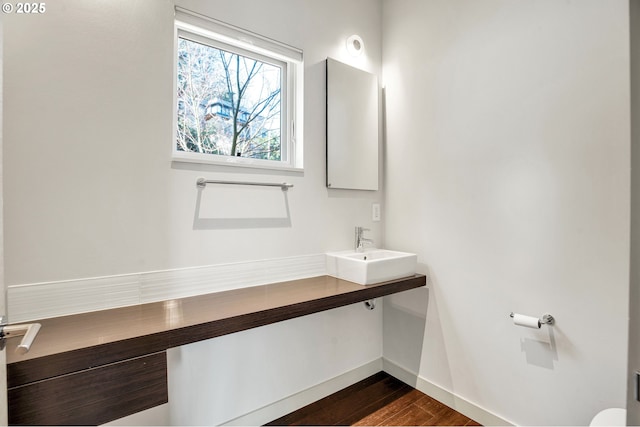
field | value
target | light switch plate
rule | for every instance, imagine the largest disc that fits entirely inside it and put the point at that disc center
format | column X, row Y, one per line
column 375, row 212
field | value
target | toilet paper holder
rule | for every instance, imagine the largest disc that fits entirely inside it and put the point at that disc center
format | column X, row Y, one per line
column 546, row 319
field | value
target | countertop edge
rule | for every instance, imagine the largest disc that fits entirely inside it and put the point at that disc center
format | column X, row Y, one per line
column 27, row 371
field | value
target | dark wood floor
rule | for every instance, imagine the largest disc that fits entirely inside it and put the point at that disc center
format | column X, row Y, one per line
column 376, row 401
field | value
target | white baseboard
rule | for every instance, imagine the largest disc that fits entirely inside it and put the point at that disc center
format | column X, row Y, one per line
column 471, row 410
column 158, row 416
column 317, row 392
column 305, row 397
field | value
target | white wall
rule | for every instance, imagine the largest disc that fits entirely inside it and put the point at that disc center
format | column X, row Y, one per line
column 507, row 172
column 218, row 380
column 90, row 189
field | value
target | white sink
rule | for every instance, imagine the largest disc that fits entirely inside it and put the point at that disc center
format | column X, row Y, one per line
column 371, row 266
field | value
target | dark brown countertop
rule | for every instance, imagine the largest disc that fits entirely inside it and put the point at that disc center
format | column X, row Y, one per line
column 73, row 343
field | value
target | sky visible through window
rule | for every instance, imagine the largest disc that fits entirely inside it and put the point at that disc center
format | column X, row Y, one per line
column 228, row 104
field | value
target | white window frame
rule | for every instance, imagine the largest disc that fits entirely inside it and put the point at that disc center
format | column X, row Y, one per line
column 201, row 29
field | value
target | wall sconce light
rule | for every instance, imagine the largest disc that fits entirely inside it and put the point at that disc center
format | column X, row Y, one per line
column 355, row 45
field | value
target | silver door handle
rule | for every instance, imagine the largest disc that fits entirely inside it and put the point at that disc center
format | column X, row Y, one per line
column 28, row 332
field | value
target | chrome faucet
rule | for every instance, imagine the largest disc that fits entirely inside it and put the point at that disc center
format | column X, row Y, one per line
column 361, row 241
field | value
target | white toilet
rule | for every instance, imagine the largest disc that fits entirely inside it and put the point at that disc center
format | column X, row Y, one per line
column 610, row 417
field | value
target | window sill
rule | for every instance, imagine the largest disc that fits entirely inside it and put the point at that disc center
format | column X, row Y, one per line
column 232, row 162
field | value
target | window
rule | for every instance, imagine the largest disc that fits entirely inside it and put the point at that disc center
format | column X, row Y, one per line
column 237, row 96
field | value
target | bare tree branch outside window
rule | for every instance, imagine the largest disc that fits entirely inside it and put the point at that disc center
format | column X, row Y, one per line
column 228, row 104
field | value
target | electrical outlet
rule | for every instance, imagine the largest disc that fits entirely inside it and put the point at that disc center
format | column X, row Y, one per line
column 375, row 211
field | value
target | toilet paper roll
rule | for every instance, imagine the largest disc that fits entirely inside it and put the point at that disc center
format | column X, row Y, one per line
column 527, row 321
